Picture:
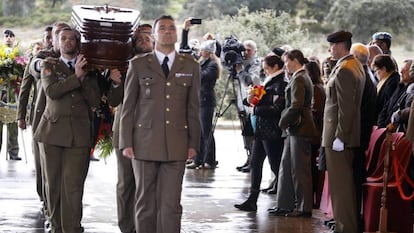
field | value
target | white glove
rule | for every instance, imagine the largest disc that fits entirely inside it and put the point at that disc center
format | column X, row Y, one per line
column 395, row 118
column 337, row 145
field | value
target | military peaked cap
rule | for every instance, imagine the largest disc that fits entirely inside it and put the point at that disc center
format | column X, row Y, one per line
column 339, row 36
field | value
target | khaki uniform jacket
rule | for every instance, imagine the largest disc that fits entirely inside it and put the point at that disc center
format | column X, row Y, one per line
column 343, row 103
column 66, row 120
column 297, row 118
column 40, row 103
column 160, row 116
column 24, row 94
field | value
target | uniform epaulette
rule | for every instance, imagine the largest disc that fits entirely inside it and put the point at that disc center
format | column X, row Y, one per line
column 140, row 56
column 46, row 53
column 187, row 56
column 51, row 60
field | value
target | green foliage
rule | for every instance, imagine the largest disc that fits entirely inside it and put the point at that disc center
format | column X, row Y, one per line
column 153, row 8
column 316, row 9
column 267, row 28
column 286, row 5
column 216, row 9
column 365, row 17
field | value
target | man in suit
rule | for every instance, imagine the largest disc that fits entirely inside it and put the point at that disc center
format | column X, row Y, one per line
column 160, row 128
column 341, row 129
column 125, row 186
column 410, row 116
column 64, row 131
column 368, row 120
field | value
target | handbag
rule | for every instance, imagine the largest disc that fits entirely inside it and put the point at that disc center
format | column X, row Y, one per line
column 246, row 125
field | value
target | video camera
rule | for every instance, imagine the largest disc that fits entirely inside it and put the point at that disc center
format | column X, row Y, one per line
column 232, row 51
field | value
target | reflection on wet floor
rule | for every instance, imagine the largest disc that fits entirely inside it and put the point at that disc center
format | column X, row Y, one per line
column 208, row 197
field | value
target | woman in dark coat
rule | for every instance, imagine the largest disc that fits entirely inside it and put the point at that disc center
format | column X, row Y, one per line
column 210, row 72
column 268, row 139
column 385, row 70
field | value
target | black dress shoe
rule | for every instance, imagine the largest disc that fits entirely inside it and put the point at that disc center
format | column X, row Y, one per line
column 247, row 206
column 272, row 191
column 279, row 212
column 14, row 156
column 299, row 214
column 266, row 189
column 239, row 168
column 246, row 169
column 273, row 208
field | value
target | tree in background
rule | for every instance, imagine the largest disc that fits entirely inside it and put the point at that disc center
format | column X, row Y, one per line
column 151, row 9
column 268, row 28
column 286, row 5
column 216, row 8
column 315, row 9
column 365, row 17
column 17, row 8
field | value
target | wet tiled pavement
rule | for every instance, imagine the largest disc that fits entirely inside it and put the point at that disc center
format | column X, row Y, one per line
column 208, row 197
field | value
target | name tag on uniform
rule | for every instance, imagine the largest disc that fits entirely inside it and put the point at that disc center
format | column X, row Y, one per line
column 180, row 75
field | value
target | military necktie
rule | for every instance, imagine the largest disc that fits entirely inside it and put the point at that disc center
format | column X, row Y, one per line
column 71, row 66
column 164, row 66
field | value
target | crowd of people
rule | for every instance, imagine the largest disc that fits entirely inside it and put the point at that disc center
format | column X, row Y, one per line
column 325, row 121
column 304, row 114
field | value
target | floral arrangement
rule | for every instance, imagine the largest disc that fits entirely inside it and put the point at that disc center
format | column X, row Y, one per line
column 103, row 124
column 257, row 93
column 12, row 65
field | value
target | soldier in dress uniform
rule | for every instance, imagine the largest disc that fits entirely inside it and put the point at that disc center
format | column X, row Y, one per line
column 160, row 128
column 64, row 131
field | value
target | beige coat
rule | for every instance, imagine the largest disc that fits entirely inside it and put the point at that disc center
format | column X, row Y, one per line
column 343, row 100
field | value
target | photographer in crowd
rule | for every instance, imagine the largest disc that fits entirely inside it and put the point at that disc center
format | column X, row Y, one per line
column 210, row 67
column 248, row 74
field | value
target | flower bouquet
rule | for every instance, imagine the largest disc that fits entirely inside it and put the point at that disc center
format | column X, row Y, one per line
column 12, row 65
column 103, row 129
column 256, row 93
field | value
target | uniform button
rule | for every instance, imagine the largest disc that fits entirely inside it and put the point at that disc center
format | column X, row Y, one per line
column 167, row 96
column 167, row 122
column 139, row 125
column 185, row 84
column 167, row 109
column 146, row 84
column 73, row 95
column 168, row 84
column 185, row 126
column 73, row 106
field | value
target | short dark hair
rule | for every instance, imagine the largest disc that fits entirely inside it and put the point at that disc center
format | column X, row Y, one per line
column 296, row 54
column 8, row 32
column 76, row 32
column 48, row 28
column 272, row 60
column 384, row 60
column 144, row 25
column 162, row 17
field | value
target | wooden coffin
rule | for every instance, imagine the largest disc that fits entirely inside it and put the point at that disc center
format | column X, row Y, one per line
column 106, row 34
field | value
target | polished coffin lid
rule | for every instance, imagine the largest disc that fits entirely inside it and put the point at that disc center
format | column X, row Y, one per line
column 106, row 34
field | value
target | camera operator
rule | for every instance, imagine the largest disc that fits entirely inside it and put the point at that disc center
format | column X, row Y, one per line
column 248, row 74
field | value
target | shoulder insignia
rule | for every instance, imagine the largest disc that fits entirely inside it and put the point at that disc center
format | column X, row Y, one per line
column 51, row 60
column 186, row 56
